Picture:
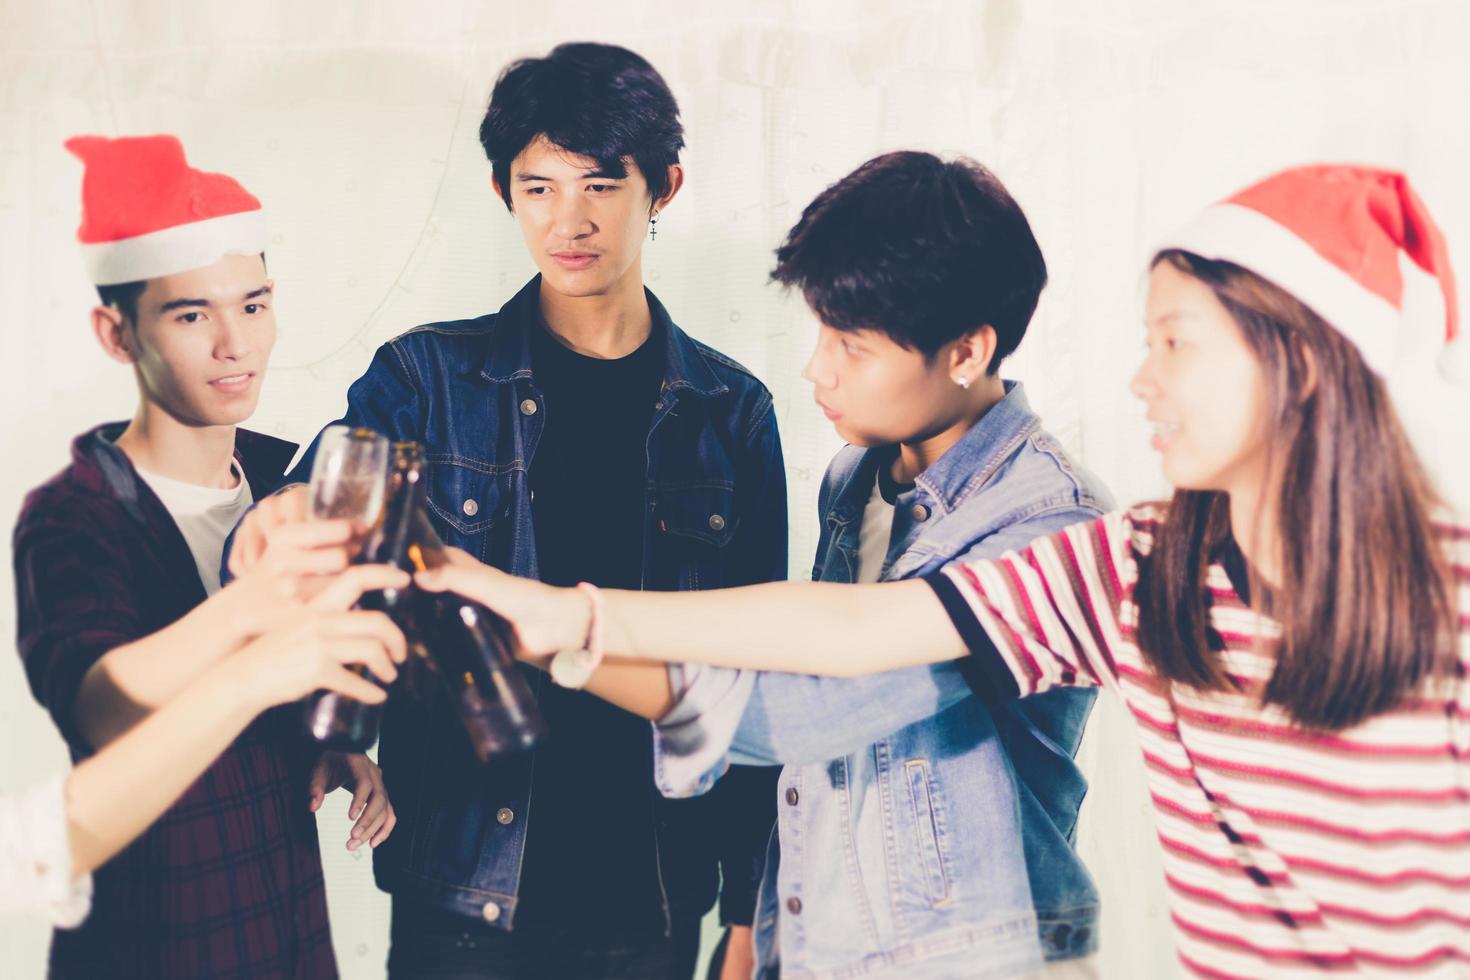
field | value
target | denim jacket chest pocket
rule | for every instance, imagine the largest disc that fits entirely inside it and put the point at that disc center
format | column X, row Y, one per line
column 694, row 525
column 468, row 499
column 837, row 549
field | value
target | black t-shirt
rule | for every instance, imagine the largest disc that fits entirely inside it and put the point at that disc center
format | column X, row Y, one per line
column 590, row 855
column 888, row 487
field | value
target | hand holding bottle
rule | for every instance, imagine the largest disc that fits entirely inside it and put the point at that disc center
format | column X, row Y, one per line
column 471, row 650
column 545, row 618
column 316, row 647
column 298, row 561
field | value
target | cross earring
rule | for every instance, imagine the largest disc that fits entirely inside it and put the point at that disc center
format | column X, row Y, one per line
column 653, row 226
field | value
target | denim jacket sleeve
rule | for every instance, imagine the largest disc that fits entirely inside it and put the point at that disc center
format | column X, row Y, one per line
column 789, row 719
column 387, row 398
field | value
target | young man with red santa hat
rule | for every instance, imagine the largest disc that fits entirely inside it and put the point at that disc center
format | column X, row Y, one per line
column 120, row 607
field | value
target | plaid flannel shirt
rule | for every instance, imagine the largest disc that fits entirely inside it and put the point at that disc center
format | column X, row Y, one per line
column 228, row 882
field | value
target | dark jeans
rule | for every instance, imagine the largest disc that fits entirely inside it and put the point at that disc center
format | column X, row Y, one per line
column 431, row 944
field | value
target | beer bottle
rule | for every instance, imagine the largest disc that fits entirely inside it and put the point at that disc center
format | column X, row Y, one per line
column 473, row 651
column 334, row 720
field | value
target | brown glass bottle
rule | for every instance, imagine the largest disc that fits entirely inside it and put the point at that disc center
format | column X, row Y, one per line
column 473, row 652
column 334, row 720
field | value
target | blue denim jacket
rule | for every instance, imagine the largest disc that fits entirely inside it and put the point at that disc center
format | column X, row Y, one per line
column 715, row 516
column 922, row 832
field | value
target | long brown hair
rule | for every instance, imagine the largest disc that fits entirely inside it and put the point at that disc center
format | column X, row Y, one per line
column 1364, row 601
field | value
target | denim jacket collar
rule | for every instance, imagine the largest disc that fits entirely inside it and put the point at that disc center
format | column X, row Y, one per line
column 959, row 473
column 509, row 354
column 851, row 496
column 970, row 463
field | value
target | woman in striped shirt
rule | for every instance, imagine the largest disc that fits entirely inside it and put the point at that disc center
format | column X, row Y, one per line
column 1290, row 632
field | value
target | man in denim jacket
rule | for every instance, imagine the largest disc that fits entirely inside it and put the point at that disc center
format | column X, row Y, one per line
column 578, row 434
column 922, row 833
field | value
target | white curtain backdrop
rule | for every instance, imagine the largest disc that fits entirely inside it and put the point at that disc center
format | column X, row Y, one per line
column 356, row 124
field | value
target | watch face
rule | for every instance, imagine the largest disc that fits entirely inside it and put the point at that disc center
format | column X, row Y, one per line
column 572, row 668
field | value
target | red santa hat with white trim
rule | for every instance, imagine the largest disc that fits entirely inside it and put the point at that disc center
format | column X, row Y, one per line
column 146, row 213
column 1331, row 235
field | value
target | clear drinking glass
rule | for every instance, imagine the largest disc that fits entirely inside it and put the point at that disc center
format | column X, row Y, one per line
column 349, row 475
column 348, row 480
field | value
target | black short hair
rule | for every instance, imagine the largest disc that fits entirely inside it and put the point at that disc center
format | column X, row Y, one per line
column 922, row 249
column 123, row 297
column 594, row 100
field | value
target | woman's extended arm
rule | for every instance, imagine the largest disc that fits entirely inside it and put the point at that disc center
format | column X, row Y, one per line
column 798, row 627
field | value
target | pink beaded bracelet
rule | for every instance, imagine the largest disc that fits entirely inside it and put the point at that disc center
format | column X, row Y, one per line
column 594, row 624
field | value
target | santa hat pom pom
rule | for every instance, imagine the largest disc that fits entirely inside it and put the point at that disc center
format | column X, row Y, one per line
column 1454, row 361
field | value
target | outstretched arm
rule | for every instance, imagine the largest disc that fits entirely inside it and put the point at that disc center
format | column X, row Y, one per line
column 1043, row 617
column 799, row 627
column 793, row 718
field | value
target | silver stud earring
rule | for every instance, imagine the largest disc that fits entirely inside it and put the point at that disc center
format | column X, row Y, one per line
column 963, row 382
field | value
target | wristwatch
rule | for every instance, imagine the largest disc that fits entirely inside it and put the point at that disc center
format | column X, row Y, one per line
column 572, row 667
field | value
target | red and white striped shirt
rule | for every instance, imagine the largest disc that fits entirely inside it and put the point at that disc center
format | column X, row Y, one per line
column 1286, row 852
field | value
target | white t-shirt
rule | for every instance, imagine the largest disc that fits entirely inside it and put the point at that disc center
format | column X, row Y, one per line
column 874, row 535
column 205, row 517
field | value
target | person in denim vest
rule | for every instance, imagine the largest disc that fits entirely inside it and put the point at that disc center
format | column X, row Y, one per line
column 576, row 435
column 922, row 832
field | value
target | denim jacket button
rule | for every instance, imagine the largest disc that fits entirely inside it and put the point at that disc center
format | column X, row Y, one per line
column 792, row 796
column 528, row 407
column 921, row 513
column 504, row 815
column 490, row 911
column 470, row 508
column 793, row 905
column 716, row 522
